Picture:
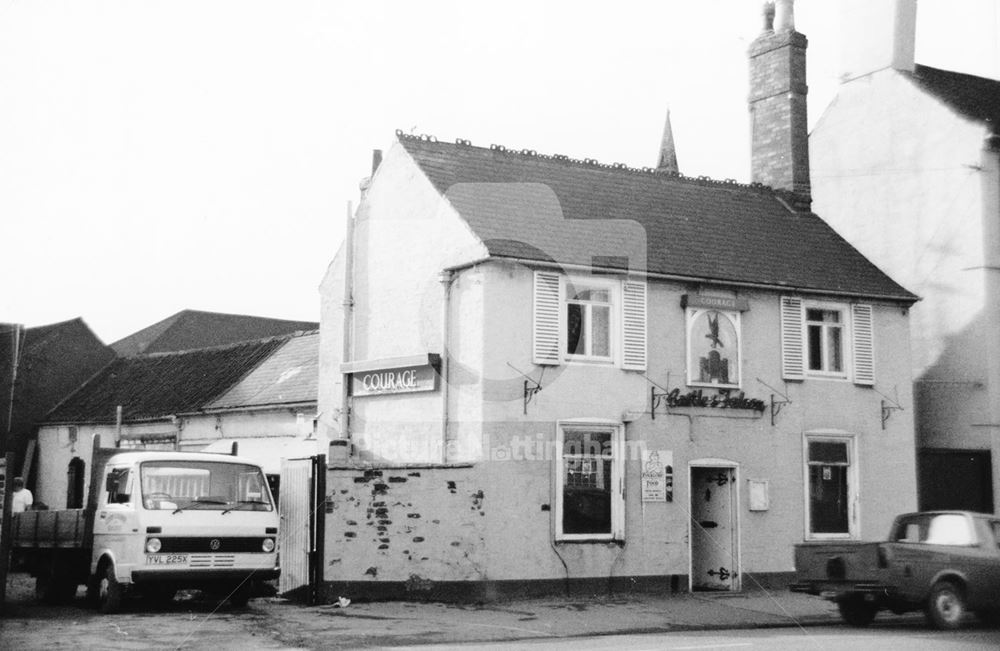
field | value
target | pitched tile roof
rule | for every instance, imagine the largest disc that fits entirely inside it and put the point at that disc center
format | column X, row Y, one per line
column 53, row 361
column 976, row 98
column 161, row 384
column 191, row 329
column 289, row 376
column 555, row 209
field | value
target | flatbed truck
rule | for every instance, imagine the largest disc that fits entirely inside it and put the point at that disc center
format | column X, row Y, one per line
column 154, row 522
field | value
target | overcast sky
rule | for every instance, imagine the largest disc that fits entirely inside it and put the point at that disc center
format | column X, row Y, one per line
column 157, row 156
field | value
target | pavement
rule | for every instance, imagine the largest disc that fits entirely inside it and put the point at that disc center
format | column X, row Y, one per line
column 387, row 624
column 277, row 623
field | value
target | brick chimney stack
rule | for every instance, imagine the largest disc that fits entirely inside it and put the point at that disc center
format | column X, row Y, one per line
column 779, row 132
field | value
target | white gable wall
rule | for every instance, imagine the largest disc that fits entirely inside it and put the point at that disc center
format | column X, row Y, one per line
column 895, row 172
column 406, row 234
column 899, row 174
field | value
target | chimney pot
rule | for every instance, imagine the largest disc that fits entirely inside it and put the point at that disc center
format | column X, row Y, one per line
column 768, row 14
column 784, row 16
column 779, row 154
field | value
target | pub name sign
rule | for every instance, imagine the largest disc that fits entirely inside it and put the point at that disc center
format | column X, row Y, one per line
column 393, row 376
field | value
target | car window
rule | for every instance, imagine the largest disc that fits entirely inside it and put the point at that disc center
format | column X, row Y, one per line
column 939, row 529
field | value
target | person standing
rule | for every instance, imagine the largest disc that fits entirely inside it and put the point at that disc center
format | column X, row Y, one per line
column 22, row 498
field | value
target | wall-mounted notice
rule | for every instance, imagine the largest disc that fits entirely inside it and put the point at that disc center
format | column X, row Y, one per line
column 657, row 476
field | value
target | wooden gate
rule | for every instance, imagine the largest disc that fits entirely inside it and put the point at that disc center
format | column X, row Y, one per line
column 302, row 509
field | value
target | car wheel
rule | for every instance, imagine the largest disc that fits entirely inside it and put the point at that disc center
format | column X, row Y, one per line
column 857, row 612
column 109, row 590
column 945, row 605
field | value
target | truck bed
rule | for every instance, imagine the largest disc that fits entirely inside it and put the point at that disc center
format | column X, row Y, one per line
column 835, row 567
column 64, row 529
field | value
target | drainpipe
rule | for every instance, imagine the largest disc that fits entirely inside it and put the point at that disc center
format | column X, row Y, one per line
column 6, row 442
column 990, row 170
column 446, row 278
column 118, row 426
column 348, row 305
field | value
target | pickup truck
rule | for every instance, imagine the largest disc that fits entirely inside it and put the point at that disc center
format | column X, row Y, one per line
column 154, row 522
column 946, row 563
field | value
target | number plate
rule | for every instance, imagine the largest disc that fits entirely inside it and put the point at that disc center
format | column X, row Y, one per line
column 166, row 559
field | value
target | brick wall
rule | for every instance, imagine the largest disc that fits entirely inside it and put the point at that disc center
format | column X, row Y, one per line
column 778, row 118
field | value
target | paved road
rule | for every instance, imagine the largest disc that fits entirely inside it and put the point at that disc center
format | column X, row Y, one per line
column 184, row 624
column 674, row 622
column 829, row 638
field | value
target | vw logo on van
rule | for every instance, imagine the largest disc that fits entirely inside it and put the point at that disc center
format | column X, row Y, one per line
column 215, row 544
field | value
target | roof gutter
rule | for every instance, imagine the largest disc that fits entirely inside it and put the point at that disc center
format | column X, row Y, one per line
column 185, row 414
column 909, row 300
column 274, row 406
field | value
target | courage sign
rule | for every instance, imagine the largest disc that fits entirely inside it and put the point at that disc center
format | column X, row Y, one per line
column 398, row 380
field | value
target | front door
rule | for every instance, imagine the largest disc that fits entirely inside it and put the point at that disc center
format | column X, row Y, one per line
column 714, row 557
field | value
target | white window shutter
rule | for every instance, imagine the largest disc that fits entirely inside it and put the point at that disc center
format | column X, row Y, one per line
column 547, row 305
column 864, row 348
column 634, row 325
column 792, row 350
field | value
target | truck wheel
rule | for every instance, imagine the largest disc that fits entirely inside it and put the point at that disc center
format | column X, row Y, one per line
column 44, row 586
column 857, row 612
column 159, row 595
column 109, row 590
column 53, row 589
column 945, row 605
column 241, row 595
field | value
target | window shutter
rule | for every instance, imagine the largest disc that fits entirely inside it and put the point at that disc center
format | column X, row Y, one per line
column 634, row 325
column 792, row 364
column 864, row 350
column 545, row 340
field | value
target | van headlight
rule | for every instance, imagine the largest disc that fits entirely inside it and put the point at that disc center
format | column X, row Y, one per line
column 153, row 545
column 268, row 545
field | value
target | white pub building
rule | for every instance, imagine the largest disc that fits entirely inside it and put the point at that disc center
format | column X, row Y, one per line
column 543, row 374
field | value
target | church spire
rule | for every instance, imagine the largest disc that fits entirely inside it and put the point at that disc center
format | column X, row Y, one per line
column 668, row 155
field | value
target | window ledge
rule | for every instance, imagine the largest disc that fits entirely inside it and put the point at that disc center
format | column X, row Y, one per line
column 834, row 378
column 831, row 538
column 589, row 361
column 592, row 541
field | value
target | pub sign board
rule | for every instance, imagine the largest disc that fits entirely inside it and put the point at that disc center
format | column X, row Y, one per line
column 417, row 375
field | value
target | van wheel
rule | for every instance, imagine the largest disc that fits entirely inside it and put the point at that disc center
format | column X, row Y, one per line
column 945, row 605
column 857, row 612
column 109, row 590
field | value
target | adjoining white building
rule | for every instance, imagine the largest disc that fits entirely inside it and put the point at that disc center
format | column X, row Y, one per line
column 906, row 165
column 544, row 374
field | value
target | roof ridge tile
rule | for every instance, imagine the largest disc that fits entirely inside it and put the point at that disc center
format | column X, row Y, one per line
column 593, row 162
